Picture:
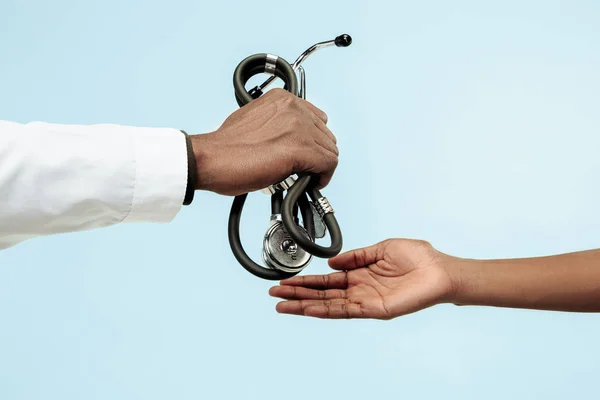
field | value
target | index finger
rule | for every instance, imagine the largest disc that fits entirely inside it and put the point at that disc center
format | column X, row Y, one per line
column 337, row 280
column 357, row 258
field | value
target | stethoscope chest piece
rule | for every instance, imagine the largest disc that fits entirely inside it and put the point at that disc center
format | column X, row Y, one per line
column 281, row 252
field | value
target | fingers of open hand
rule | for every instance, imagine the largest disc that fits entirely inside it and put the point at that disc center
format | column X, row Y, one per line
column 320, row 296
column 332, row 309
column 337, row 280
column 357, row 258
column 302, row 293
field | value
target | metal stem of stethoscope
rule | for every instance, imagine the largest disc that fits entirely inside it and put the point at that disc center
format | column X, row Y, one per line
column 287, row 246
column 340, row 41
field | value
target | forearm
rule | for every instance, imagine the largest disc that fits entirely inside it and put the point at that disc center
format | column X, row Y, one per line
column 567, row 282
column 65, row 178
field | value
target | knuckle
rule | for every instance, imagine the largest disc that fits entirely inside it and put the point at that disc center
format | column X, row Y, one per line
column 318, row 110
column 277, row 92
column 288, row 99
column 345, row 310
column 269, row 96
column 295, row 121
column 320, row 114
column 388, row 242
column 360, row 311
column 282, row 98
column 423, row 244
column 334, row 162
column 359, row 257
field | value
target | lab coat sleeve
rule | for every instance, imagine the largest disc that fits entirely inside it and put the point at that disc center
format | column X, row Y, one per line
column 66, row 178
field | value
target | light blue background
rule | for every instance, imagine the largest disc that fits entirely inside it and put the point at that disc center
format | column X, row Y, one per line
column 474, row 126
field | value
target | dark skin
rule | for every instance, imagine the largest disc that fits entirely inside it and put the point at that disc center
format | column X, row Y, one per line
column 400, row 276
column 380, row 282
column 264, row 142
column 278, row 135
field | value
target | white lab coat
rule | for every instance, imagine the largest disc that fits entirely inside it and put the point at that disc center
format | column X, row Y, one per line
column 67, row 178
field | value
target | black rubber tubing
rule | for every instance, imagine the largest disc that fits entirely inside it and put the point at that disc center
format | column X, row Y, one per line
column 294, row 194
column 255, row 65
column 239, row 252
column 296, row 197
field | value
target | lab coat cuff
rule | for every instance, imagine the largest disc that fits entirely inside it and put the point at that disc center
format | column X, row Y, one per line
column 161, row 174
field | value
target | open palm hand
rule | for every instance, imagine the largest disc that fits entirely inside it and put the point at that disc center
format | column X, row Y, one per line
column 383, row 281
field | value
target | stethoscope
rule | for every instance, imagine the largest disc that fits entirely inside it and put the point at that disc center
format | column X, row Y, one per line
column 288, row 246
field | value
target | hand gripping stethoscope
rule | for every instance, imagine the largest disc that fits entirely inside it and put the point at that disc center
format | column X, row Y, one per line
column 288, row 247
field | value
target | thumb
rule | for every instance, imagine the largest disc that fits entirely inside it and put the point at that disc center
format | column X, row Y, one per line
column 358, row 258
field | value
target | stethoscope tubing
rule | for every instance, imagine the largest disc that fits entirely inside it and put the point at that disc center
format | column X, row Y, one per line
column 296, row 198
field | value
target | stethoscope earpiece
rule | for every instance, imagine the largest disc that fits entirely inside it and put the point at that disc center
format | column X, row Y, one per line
column 343, row 40
column 288, row 246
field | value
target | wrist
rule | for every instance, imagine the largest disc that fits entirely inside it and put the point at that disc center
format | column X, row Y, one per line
column 205, row 154
column 463, row 277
